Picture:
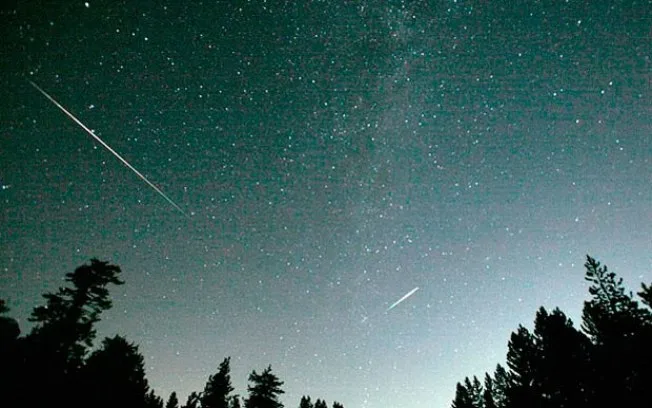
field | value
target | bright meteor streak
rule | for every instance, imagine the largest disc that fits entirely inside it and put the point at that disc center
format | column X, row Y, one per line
column 407, row 295
column 90, row 132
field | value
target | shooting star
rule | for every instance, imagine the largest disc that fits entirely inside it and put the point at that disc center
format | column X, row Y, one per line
column 398, row 302
column 125, row 162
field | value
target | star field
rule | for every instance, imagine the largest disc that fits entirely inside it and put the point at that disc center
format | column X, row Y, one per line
column 331, row 156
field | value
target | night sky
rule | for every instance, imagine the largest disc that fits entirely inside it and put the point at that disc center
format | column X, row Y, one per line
column 330, row 157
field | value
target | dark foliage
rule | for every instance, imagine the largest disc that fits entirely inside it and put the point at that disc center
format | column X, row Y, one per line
column 264, row 390
column 320, row 404
column 192, row 401
column 609, row 363
column 54, row 366
column 646, row 295
column 622, row 333
column 115, row 376
column 9, row 355
column 9, row 329
column 65, row 324
column 463, row 398
column 151, row 401
column 235, row 402
column 54, row 351
column 217, row 390
column 305, row 402
column 173, row 401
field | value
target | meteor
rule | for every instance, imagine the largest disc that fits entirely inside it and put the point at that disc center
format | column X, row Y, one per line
column 398, row 302
column 90, row 132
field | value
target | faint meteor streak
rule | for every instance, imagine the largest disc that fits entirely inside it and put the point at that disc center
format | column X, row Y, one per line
column 90, row 132
column 401, row 300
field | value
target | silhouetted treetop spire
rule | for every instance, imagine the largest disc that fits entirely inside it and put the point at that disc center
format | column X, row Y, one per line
column 264, row 390
column 69, row 315
column 173, row 401
column 217, row 389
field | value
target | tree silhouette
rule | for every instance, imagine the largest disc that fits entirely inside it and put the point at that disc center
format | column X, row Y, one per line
column 621, row 331
column 64, row 326
column 173, row 401
column 476, row 391
column 611, row 313
column 549, row 366
column 9, row 329
column 501, row 381
column 565, row 358
column 9, row 358
column 489, row 392
column 646, row 295
column 556, row 365
column 217, row 389
column 152, row 400
column 264, row 390
column 305, row 402
column 320, row 404
column 463, row 397
column 55, row 348
column 521, row 356
column 472, row 393
column 115, row 376
column 192, row 401
column 235, row 402
column 54, row 365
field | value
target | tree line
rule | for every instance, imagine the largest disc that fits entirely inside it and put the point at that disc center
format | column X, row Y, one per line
column 54, row 364
column 606, row 362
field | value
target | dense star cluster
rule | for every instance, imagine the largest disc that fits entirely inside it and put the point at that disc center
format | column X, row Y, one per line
column 331, row 158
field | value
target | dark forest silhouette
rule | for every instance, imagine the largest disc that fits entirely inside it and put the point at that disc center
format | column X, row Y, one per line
column 53, row 365
column 607, row 362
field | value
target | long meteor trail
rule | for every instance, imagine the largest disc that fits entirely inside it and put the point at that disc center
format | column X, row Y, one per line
column 398, row 302
column 116, row 154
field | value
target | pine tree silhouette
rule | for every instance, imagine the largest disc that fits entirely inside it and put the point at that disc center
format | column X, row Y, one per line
column 305, row 402
column 152, row 400
column 264, row 390
column 55, row 349
column 217, row 389
column 463, row 397
column 609, row 363
column 320, row 403
column 622, row 333
column 235, row 402
column 173, row 401
column 114, row 376
column 9, row 358
column 192, row 401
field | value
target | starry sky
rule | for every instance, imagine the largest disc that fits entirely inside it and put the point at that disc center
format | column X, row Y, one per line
column 330, row 157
